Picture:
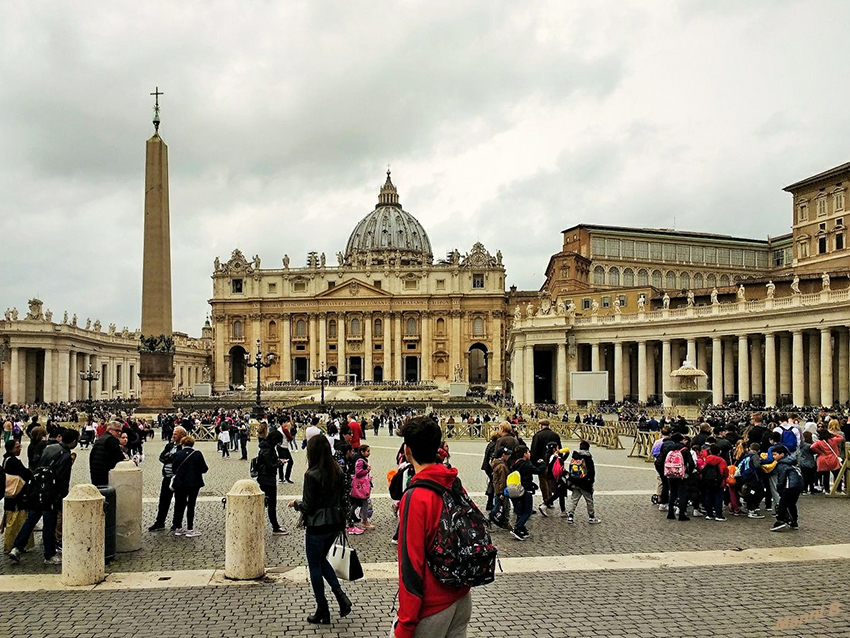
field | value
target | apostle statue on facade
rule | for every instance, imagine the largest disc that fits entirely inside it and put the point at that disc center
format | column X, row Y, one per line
column 714, row 301
column 517, row 313
column 256, row 262
column 665, row 301
column 340, row 258
column 825, row 281
column 529, row 310
column 642, row 303
column 690, row 299
column 216, row 264
column 617, row 309
column 322, row 260
column 741, row 294
column 88, row 323
column 48, row 315
column 771, row 289
column 286, row 261
column 594, row 307
column 65, row 317
column 795, row 285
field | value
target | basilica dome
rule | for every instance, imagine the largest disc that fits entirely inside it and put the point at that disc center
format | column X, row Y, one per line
column 388, row 235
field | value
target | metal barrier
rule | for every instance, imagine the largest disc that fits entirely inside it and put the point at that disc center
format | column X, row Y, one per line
column 844, row 473
column 603, row 435
column 642, row 447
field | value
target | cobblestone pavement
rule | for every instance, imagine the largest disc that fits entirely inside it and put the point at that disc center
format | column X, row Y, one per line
column 689, row 603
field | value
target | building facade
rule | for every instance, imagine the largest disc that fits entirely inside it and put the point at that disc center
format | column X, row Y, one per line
column 385, row 311
column 42, row 358
column 766, row 320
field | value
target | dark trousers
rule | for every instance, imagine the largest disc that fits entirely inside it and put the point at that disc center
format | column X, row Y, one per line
column 665, row 490
column 523, row 506
column 165, row 495
column 678, row 496
column 809, row 474
column 48, row 531
column 271, row 502
column 786, row 510
column 184, row 501
column 286, row 469
column 752, row 494
column 244, row 441
column 317, row 548
column 713, row 502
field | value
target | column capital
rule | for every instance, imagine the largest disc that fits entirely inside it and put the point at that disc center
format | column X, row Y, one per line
column 323, row 315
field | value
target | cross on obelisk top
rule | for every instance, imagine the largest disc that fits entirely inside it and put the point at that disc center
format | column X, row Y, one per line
column 156, row 93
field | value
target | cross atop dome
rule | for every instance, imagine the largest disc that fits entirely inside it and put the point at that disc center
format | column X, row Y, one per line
column 389, row 194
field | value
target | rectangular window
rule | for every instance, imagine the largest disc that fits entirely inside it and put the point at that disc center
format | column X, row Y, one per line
column 803, row 212
column 710, row 255
column 299, row 286
column 838, row 201
column 839, row 241
column 236, row 286
column 612, row 247
column 597, row 247
column 628, row 248
column 377, row 346
column 761, row 259
column 723, row 256
column 331, row 284
column 410, row 284
column 622, row 300
column 272, row 289
column 441, row 284
column 641, row 250
column 822, row 226
column 377, row 283
column 606, row 302
column 655, row 251
column 585, row 303
column 411, row 346
column 300, row 348
column 821, row 207
column 821, row 245
column 669, row 252
column 331, row 346
column 478, row 280
column 683, row 253
column 778, row 258
column 697, row 254
column 839, row 221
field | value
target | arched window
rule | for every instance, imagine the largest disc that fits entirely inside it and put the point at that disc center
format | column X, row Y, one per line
column 614, row 277
column 410, row 326
column 698, row 281
column 379, row 328
column 643, row 277
column 332, row 329
column 724, row 280
column 656, row 278
column 711, row 281
column 300, row 328
column 478, row 327
column 237, row 330
column 355, row 327
column 441, row 326
column 272, row 330
column 670, row 280
column 599, row 276
column 685, row 281
column 628, row 277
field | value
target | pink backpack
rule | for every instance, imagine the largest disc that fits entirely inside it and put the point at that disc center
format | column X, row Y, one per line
column 674, row 465
column 557, row 468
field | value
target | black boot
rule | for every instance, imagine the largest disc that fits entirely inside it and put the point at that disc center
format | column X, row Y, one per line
column 344, row 602
column 322, row 616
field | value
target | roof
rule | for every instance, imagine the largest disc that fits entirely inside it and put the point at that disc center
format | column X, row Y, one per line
column 832, row 172
column 666, row 231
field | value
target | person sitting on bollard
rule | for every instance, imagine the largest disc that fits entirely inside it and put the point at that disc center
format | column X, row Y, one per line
column 51, row 482
column 267, row 466
column 189, row 469
column 165, row 491
column 324, row 519
column 105, row 454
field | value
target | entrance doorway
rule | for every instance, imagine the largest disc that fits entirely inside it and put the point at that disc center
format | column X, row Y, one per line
column 411, row 369
column 478, row 363
column 543, row 377
column 237, row 366
column 378, row 374
column 355, row 367
column 301, row 369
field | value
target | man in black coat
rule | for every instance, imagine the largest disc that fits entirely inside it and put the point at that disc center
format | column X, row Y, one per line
column 165, row 491
column 105, row 454
column 539, row 443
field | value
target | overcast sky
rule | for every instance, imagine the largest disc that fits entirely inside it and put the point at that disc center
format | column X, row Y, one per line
column 504, row 123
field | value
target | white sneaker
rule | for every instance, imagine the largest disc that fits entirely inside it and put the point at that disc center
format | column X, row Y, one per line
column 662, row 508
column 180, row 532
column 542, row 509
column 56, row 559
column 593, row 521
column 192, row 533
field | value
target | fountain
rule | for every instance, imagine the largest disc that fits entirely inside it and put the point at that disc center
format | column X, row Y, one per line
column 690, row 386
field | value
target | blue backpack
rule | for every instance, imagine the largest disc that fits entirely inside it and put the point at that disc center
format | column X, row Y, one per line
column 746, row 472
column 789, row 439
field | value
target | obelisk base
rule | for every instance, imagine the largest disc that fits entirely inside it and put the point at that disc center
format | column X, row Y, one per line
column 156, row 382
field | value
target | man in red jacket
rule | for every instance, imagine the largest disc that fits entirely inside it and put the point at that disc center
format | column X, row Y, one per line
column 426, row 606
column 356, row 431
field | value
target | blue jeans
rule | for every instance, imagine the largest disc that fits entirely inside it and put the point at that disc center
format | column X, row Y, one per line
column 48, row 531
column 318, row 546
column 523, row 506
column 714, row 502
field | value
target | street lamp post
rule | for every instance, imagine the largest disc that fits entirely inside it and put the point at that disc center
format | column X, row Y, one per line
column 89, row 376
column 258, row 365
column 321, row 375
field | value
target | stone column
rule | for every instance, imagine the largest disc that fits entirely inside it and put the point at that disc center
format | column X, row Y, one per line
column 528, row 374
column 785, row 365
column 313, row 331
column 388, row 365
column 323, row 338
column 651, row 384
column 561, row 374
column 30, row 380
column 826, row 396
column 692, row 352
column 675, row 356
column 425, row 348
column 641, row 371
column 756, row 367
column 286, row 348
column 456, row 357
column 702, row 358
column 15, row 375
column 627, row 370
column 814, row 368
column 221, row 372
column 743, row 368
column 770, row 395
column 799, row 370
column 843, row 357
column 716, row 370
column 495, row 369
column 398, row 352
column 342, row 364
column 47, row 378
column 63, row 381
column 665, row 371
column 594, row 357
column 618, row 371
column 517, row 371
column 728, row 369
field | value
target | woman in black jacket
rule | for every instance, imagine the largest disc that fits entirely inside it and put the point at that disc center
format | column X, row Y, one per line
column 267, row 466
column 189, row 468
column 324, row 517
column 15, row 508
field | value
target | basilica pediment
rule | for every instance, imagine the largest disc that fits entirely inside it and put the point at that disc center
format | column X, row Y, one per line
column 353, row 288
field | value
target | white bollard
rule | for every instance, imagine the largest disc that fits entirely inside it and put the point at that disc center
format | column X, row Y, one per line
column 245, row 527
column 126, row 478
column 83, row 536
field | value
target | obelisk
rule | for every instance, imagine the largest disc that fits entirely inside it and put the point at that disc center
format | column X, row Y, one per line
column 156, row 348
